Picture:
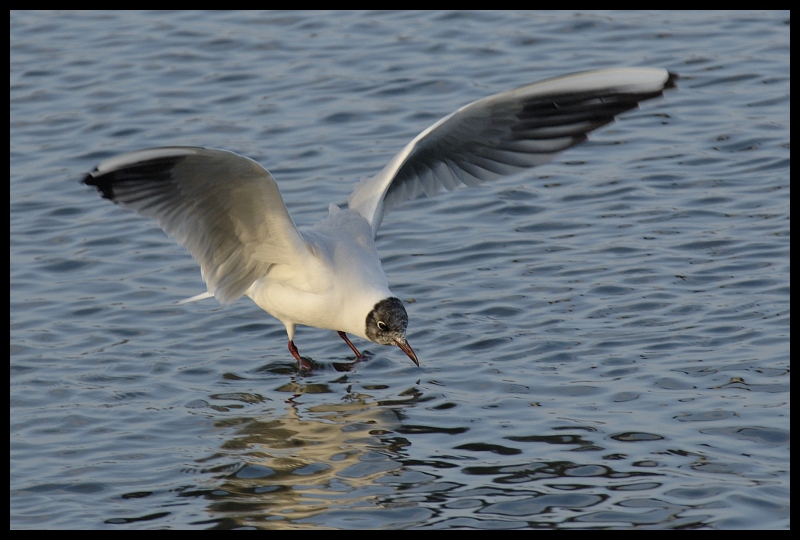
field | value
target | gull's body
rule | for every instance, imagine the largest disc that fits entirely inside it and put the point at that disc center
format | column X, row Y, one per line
column 228, row 212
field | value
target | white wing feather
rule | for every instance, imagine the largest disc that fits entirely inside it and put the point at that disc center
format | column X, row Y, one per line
column 505, row 133
column 225, row 209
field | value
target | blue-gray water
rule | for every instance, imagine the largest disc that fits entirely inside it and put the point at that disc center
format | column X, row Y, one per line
column 604, row 340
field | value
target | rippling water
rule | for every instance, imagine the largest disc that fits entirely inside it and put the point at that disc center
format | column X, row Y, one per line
column 604, row 341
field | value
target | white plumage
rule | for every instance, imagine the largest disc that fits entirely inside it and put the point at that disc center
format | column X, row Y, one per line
column 228, row 212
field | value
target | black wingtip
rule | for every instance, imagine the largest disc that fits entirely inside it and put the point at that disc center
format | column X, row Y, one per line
column 671, row 80
column 95, row 179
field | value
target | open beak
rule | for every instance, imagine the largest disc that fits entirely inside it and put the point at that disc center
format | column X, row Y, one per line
column 408, row 350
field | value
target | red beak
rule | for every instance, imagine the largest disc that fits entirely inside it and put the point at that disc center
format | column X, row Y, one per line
column 408, row 350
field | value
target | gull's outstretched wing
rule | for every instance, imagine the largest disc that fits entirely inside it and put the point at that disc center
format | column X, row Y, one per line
column 225, row 209
column 505, row 133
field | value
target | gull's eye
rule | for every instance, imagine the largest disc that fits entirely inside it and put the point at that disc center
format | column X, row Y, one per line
column 382, row 326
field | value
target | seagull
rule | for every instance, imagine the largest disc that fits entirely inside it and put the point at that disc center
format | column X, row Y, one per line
column 227, row 211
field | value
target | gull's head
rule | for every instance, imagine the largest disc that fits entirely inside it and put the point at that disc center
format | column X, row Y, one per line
column 387, row 323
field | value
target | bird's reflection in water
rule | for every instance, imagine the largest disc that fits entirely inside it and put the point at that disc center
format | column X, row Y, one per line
column 273, row 472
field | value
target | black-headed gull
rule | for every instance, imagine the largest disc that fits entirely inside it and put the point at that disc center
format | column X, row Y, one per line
column 227, row 211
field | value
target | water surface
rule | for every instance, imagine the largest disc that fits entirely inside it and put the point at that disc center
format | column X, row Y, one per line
column 604, row 341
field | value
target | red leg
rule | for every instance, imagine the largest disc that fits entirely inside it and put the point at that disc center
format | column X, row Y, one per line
column 303, row 364
column 344, row 337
